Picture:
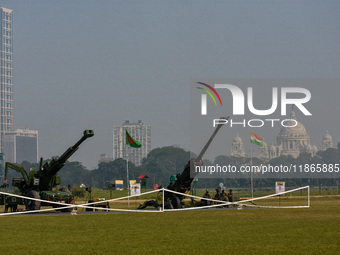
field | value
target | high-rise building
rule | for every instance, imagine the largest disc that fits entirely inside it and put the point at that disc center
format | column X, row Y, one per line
column 6, row 72
column 21, row 145
column 2, row 166
column 140, row 132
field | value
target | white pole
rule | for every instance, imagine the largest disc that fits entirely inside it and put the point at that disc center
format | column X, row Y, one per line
column 251, row 172
column 127, row 181
column 308, row 198
column 163, row 200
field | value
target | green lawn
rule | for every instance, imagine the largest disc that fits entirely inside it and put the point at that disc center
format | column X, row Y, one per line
column 314, row 230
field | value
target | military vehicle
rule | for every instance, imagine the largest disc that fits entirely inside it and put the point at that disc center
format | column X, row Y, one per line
column 41, row 184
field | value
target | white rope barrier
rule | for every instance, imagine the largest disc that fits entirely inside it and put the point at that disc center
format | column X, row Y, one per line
column 161, row 209
column 66, row 206
column 279, row 207
column 273, row 195
column 223, row 203
column 206, row 199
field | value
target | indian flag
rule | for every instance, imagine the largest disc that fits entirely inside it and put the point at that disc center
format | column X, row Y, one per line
column 255, row 139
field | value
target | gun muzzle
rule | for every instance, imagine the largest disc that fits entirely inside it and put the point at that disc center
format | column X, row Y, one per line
column 88, row 133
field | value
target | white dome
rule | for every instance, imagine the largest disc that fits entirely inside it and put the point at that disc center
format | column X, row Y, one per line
column 237, row 139
column 327, row 137
column 298, row 131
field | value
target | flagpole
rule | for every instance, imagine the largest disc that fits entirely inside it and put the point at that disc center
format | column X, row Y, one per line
column 133, row 143
column 251, row 172
column 127, row 180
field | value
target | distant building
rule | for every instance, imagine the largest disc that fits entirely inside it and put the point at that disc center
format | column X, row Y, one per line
column 263, row 151
column 21, row 145
column 291, row 140
column 327, row 142
column 140, row 132
column 237, row 149
column 2, row 166
column 6, row 73
column 294, row 140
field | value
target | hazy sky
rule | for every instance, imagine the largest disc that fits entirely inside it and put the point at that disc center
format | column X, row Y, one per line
column 94, row 64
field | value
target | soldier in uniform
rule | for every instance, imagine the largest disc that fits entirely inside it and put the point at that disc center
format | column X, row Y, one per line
column 223, row 197
column 206, row 195
column 230, row 196
column 217, row 195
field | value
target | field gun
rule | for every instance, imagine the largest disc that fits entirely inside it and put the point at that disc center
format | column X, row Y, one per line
column 47, row 173
column 183, row 181
column 42, row 184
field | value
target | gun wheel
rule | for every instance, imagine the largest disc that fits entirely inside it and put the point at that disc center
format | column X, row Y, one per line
column 176, row 202
column 32, row 204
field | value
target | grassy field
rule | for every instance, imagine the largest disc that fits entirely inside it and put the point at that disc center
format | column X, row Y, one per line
column 314, row 230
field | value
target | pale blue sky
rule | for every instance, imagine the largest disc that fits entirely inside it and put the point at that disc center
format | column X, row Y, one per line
column 94, row 64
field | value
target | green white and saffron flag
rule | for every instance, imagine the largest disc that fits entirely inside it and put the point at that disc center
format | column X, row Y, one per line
column 132, row 142
column 255, row 139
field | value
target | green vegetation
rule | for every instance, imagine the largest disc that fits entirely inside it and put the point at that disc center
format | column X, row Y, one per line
column 163, row 162
column 313, row 230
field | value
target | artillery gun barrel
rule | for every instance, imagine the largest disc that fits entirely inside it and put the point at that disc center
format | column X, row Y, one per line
column 67, row 154
column 200, row 156
column 184, row 180
column 55, row 165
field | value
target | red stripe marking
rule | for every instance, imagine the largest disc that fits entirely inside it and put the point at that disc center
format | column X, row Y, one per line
column 213, row 90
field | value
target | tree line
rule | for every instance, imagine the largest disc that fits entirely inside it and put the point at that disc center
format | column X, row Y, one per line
column 162, row 163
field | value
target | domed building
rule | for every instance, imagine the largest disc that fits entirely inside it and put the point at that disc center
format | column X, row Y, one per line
column 273, row 151
column 327, row 142
column 293, row 140
column 237, row 149
column 263, row 151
